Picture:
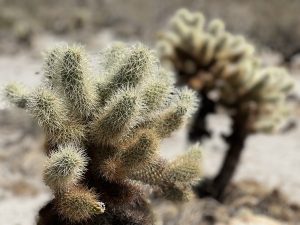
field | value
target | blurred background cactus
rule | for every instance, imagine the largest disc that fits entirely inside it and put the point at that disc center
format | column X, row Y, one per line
column 227, row 74
column 103, row 132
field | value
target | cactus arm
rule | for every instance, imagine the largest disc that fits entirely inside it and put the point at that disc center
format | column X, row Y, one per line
column 17, row 95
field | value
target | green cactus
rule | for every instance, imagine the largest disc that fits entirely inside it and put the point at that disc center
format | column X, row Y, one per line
column 103, row 134
column 65, row 167
column 226, row 72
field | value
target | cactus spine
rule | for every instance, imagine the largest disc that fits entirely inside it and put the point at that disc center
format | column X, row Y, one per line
column 103, row 134
column 209, row 59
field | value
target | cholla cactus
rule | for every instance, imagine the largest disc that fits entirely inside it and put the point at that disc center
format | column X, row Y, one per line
column 225, row 71
column 103, row 134
column 202, row 54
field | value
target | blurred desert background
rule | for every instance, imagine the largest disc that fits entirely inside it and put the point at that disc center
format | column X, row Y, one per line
column 266, row 188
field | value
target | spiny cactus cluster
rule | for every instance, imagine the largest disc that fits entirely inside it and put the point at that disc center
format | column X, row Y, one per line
column 206, row 52
column 225, row 71
column 103, row 133
column 209, row 58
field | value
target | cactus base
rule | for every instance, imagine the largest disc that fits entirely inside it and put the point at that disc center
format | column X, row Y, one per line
column 135, row 214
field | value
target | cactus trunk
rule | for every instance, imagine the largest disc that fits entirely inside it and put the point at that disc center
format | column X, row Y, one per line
column 199, row 129
column 236, row 142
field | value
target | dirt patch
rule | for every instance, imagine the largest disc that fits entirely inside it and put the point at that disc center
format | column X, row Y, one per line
column 247, row 202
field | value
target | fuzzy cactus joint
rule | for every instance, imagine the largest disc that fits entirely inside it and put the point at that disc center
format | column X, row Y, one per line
column 103, row 129
column 227, row 73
